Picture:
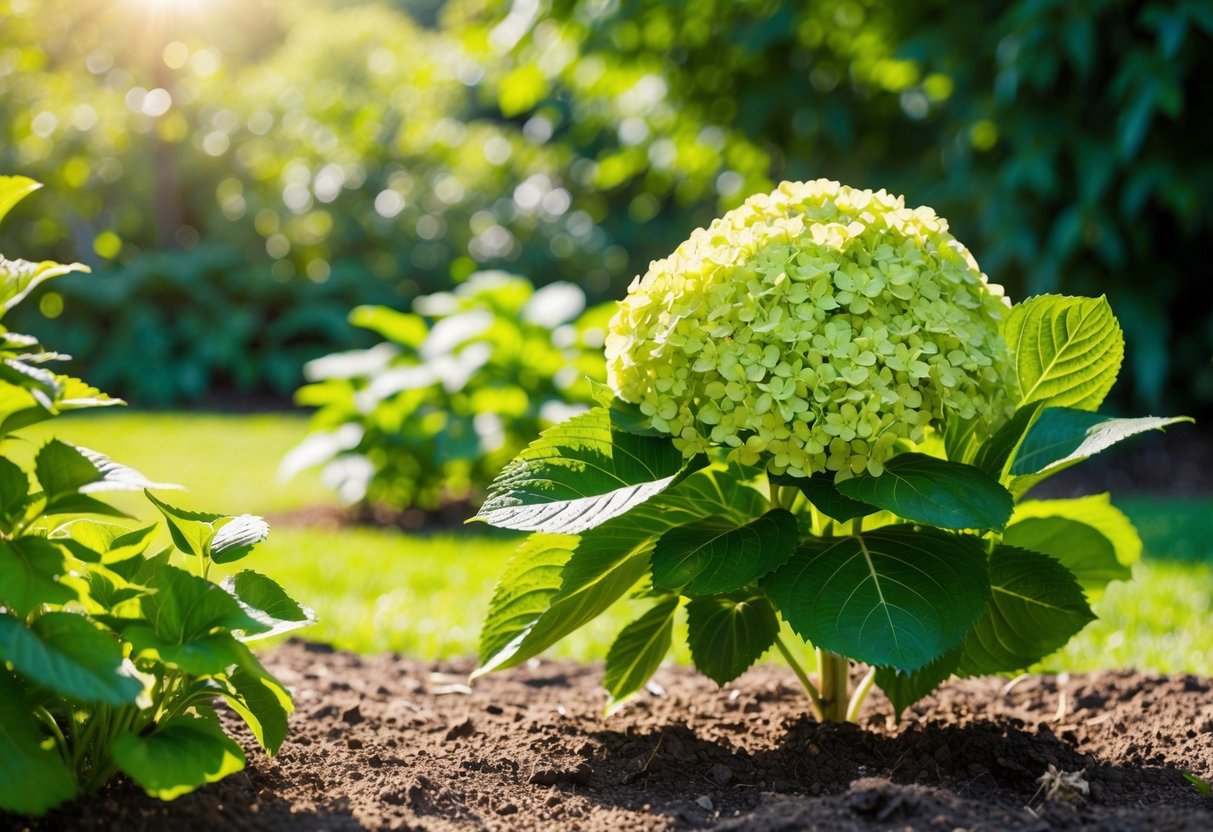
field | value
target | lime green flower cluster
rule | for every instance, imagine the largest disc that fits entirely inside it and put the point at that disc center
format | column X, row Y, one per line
column 812, row 328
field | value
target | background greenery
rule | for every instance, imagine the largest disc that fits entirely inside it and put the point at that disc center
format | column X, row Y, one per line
column 241, row 174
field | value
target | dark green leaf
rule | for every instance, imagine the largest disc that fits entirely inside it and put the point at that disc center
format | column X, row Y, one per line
column 1082, row 549
column 637, row 653
column 995, row 452
column 1066, row 351
column 62, row 471
column 32, row 778
column 185, row 607
column 715, row 554
column 894, row 597
column 924, row 489
column 14, row 494
column 578, row 475
column 237, row 537
column 728, row 633
column 821, row 491
column 267, row 602
column 904, row 688
column 29, row 572
column 1036, row 607
column 181, row 755
column 1062, row 435
column 70, row 655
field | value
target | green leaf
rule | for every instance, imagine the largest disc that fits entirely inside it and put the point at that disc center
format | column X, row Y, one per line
column 821, row 491
column 894, row 597
column 191, row 531
column 70, row 655
column 1080, row 548
column 66, row 472
column 404, row 328
column 20, row 277
column 13, row 189
column 182, row 754
column 32, row 778
column 728, row 633
column 29, row 571
column 205, row 655
column 904, row 688
column 111, row 543
column 1064, row 435
column 1036, row 607
column 715, row 554
column 525, row 591
column 637, row 652
column 1066, row 351
column 267, row 602
column 185, row 607
column 578, row 475
column 924, row 489
column 1097, row 511
column 236, row 538
column 261, row 701
column 995, row 452
column 14, row 493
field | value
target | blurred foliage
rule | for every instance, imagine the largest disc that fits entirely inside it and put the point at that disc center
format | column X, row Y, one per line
column 407, row 144
column 460, row 386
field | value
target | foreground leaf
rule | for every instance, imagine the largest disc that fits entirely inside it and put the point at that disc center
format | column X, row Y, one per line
column 1066, row 351
column 1095, row 510
column 68, row 654
column 637, row 652
column 994, row 454
column 185, row 607
column 728, row 633
column 578, row 475
column 32, row 778
column 525, row 591
column 716, row 555
column 1063, row 435
column 925, row 489
column 181, row 755
column 20, row 277
column 904, row 688
column 29, row 571
column 821, row 491
column 895, row 597
column 1036, row 606
column 191, row 531
column 237, row 537
column 267, row 602
column 260, row 699
column 1082, row 549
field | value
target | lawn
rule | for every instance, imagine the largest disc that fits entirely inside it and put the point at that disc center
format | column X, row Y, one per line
column 425, row 594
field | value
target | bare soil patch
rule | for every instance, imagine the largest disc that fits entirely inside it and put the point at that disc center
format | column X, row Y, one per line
column 389, row 743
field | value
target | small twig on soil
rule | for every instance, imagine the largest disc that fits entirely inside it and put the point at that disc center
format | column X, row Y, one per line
column 1006, row 690
column 1062, row 702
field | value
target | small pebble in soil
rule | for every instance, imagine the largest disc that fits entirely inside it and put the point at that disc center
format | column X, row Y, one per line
column 353, row 716
column 704, row 802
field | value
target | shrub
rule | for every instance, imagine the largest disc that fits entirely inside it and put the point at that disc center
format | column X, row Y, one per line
column 745, row 470
column 112, row 648
column 458, row 388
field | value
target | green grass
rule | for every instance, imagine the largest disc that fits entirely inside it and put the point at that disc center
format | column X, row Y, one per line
column 377, row 590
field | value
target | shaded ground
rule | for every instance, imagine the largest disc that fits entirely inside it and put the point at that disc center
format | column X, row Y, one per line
column 389, row 743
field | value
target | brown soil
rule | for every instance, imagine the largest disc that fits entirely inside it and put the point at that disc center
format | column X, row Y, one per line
column 391, row 743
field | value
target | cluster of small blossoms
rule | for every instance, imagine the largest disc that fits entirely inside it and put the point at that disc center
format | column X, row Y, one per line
column 812, row 328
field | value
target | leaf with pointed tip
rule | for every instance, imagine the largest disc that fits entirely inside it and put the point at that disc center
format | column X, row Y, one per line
column 996, row 452
column 20, row 277
column 70, row 655
column 32, row 778
column 38, row 382
column 821, row 491
column 894, row 597
column 110, row 542
column 237, row 537
column 206, row 655
column 1082, row 549
column 1066, row 351
column 728, row 633
column 66, row 472
column 637, row 652
column 183, row 753
column 261, row 701
column 716, row 554
column 1064, row 435
column 1095, row 510
column 185, row 607
column 525, row 591
column 1036, row 606
column 580, row 474
column 267, row 602
column 13, row 189
column 924, row 489
column 191, row 531
column 904, row 688
column 29, row 572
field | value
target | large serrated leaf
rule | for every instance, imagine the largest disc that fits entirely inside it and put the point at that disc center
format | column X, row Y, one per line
column 637, row 652
column 32, row 778
column 1036, row 606
column 29, row 571
column 1064, row 435
column 580, row 474
column 68, row 654
column 1066, row 351
column 185, row 607
column 1081, row 548
column 728, row 633
column 925, row 489
column 716, row 554
column 525, row 591
column 267, row 602
column 894, row 597
column 179, row 756
column 260, row 699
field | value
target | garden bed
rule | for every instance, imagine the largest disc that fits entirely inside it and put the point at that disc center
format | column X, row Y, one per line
column 389, row 743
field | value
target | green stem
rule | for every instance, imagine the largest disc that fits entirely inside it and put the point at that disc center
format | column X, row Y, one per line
column 861, row 693
column 834, row 678
column 809, row 687
column 60, row 741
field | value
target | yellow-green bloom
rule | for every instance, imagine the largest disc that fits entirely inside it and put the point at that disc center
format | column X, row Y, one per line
column 812, row 328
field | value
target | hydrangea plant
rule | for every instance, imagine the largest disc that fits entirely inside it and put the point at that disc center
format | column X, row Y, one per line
column 820, row 423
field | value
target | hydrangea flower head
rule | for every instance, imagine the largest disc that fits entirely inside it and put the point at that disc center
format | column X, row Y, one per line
column 812, row 328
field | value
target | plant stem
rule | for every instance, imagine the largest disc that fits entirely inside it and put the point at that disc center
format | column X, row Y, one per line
column 860, row 695
column 833, row 676
column 60, row 741
column 809, row 687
